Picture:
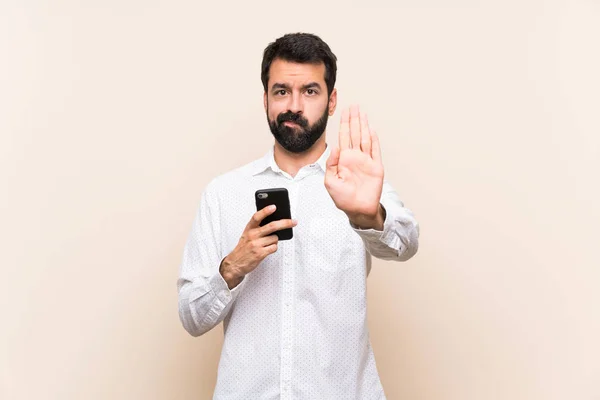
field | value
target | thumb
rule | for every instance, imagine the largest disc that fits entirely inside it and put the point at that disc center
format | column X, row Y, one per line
column 332, row 161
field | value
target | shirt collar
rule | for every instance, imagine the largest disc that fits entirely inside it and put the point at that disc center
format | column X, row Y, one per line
column 268, row 161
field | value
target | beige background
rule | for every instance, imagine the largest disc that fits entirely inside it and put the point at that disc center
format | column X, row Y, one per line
column 115, row 114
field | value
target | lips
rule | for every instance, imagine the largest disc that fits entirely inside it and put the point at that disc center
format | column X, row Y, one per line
column 290, row 123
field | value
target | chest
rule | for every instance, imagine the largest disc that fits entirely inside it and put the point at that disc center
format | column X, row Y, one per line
column 322, row 227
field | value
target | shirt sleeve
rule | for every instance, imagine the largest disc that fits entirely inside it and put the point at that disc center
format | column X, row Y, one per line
column 399, row 240
column 204, row 297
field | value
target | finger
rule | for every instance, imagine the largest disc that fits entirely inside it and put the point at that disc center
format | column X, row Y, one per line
column 270, row 249
column 258, row 216
column 354, row 127
column 375, row 148
column 365, row 134
column 267, row 240
column 332, row 161
column 277, row 226
column 344, row 134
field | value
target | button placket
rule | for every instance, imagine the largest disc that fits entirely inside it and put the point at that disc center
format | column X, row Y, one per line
column 287, row 314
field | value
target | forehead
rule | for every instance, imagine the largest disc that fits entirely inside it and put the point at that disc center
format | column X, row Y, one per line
column 293, row 73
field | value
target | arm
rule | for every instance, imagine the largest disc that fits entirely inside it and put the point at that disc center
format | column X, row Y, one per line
column 399, row 239
column 210, row 283
column 204, row 295
column 355, row 181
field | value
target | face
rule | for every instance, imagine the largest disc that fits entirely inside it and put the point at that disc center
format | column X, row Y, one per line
column 297, row 104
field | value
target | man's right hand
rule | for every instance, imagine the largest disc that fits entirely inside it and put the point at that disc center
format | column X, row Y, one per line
column 256, row 243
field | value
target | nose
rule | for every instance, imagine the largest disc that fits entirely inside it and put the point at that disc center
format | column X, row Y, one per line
column 295, row 105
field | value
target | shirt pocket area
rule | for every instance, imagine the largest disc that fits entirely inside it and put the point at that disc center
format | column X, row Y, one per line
column 334, row 245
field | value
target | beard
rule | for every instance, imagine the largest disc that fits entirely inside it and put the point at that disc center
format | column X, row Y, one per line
column 298, row 138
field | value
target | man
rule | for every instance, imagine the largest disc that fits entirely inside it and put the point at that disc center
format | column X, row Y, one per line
column 295, row 311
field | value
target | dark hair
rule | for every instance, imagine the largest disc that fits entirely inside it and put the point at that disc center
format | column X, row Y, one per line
column 300, row 48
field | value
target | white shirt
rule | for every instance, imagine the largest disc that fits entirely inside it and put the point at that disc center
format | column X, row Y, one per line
column 296, row 326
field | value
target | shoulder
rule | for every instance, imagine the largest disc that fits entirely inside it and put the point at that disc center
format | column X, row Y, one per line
column 233, row 179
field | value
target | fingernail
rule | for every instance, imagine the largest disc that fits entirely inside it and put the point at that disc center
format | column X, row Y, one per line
column 272, row 207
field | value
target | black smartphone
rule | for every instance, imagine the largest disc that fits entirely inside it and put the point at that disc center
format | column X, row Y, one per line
column 281, row 199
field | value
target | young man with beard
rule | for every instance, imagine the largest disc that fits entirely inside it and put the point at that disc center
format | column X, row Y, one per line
column 295, row 311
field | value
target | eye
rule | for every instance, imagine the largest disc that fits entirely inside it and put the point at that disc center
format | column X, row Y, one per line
column 311, row 92
column 280, row 92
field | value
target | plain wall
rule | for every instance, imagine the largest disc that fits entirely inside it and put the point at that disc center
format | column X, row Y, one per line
column 114, row 115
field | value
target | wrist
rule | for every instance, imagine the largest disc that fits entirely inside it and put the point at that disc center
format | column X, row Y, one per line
column 364, row 221
column 228, row 272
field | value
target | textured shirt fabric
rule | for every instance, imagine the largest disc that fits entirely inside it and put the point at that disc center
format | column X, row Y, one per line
column 296, row 326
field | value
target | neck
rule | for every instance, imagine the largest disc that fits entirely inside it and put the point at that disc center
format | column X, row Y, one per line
column 293, row 162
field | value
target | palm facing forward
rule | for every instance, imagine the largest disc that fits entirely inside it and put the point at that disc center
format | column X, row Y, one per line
column 354, row 176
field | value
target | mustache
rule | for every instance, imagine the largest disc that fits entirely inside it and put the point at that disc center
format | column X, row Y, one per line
column 292, row 117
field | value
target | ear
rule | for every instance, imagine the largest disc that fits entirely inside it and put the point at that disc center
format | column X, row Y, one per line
column 265, row 101
column 332, row 102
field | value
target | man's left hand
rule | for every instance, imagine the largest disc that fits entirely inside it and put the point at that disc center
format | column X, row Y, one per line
column 354, row 176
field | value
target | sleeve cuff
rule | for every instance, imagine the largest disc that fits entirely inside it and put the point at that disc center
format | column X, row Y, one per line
column 222, row 291
column 373, row 235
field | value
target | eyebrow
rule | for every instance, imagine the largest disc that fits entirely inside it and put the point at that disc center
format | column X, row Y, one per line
column 286, row 86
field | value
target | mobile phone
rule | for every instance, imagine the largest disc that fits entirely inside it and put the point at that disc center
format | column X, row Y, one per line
column 281, row 199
